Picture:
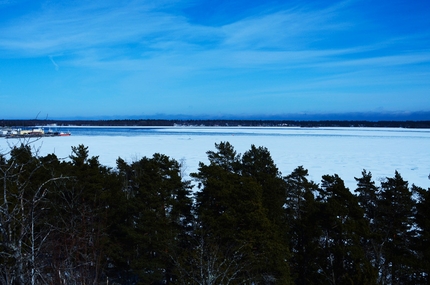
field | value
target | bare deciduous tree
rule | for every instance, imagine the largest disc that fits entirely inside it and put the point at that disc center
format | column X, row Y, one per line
column 24, row 188
column 208, row 263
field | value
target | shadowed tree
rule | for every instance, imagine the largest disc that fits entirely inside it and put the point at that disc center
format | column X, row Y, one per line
column 394, row 219
column 367, row 194
column 151, row 218
column 232, row 215
column 258, row 165
column 342, row 258
column 207, row 263
column 302, row 216
column 79, row 207
column 26, row 181
column 422, row 235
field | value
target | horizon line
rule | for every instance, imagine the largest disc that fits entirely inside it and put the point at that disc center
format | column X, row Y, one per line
column 304, row 116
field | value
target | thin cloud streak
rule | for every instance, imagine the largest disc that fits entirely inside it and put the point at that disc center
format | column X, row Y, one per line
column 54, row 63
column 139, row 49
column 273, row 40
column 59, row 30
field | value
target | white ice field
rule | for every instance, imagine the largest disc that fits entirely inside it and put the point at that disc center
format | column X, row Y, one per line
column 344, row 151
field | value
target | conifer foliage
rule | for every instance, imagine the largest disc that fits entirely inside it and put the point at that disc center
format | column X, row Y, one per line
column 237, row 220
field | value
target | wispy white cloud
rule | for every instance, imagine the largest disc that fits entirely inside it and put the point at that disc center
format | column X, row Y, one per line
column 147, row 42
column 286, row 29
column 132, row 32
column 72, row 28
column 384, row 61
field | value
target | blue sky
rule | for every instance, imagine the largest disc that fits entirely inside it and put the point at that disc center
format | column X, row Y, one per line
column 117, row 59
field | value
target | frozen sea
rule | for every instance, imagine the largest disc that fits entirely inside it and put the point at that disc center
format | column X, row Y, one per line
column 342, row 151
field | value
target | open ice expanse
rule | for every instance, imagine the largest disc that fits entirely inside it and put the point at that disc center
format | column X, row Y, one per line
column 344, row 151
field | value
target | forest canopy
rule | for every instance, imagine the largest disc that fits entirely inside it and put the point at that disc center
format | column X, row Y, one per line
column 238, row 220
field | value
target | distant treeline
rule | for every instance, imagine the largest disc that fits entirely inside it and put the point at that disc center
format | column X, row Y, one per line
column 239, row 221
column 231, row 123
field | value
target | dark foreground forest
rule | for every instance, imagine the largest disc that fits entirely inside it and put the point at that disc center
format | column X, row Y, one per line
column 239, row 221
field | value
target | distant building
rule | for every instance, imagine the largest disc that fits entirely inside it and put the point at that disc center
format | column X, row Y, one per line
column 33, row 132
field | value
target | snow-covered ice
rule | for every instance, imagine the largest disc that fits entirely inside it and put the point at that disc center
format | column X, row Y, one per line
column 344, row 151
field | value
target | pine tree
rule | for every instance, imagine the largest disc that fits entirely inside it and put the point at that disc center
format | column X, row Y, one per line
column 151, row 216
column 368, row 193
column 258, row 165
column 232, row 215
column 303, row 233
column 421, row 244
column 394, row 218
column 342, row 257
column 79, row 206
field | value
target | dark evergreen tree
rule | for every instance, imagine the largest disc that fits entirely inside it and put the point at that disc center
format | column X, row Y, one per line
column 303, row 231
column 368, row 194
column 394, row 219
column 150, row 219
column 258, row 165
column 216, row 183
column 342, row 258
column 421, row 244
column 232, row 215
column 79, row 209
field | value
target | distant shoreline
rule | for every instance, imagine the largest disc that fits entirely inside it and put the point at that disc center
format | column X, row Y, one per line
column 215, row 123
